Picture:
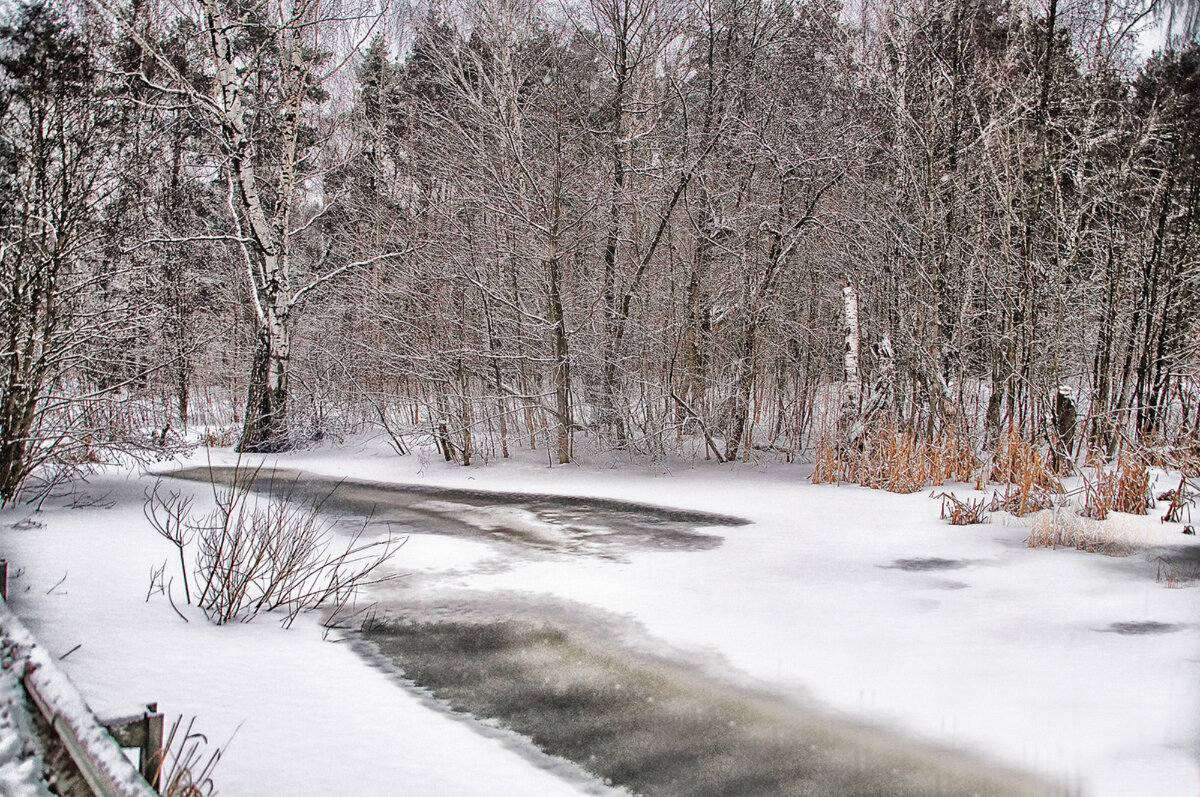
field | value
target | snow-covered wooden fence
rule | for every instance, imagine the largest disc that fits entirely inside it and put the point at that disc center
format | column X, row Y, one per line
column 95, row 747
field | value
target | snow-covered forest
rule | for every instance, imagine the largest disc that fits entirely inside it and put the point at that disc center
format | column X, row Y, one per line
column 621, row 226
column 660, row 397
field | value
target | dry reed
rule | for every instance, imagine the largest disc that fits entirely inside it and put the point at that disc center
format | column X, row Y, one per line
column 1064, row 529
column 962, row 512
column 1124, row 488
column 896, row 460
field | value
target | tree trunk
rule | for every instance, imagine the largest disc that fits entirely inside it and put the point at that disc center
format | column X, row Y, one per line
column 610, row 415
column 17, row 408
column 743, row 385
column 848, row 418
column 1065, row 416
column 562, row 363
column 265, row 429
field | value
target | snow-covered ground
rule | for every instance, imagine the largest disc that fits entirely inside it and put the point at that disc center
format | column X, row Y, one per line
column 295, row 714
column 853, row 601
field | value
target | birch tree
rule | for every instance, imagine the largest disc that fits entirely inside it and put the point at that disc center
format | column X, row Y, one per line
column 267, row 69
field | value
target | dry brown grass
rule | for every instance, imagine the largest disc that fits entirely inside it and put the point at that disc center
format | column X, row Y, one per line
column 1017, row 461
column 898, row 461
column 1065, row 529
column 1174, row 576
column 830, row 468
column 1178, row 500
column 1030, row 479
column 962, row 512
column 1020, row 500
column 220, row 437
column 1124, row 488
column 186, row 762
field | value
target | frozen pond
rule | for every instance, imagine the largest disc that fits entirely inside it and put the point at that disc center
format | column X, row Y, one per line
column 554, row 674
column 584, row 526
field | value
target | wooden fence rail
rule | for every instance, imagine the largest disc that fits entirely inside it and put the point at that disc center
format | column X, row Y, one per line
column 95, row 747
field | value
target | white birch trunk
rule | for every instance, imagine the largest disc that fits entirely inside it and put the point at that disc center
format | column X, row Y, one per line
column 853, row 391
column 850, row 421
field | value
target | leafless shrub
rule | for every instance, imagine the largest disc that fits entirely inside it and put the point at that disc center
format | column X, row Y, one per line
column 169, row 515
column 1185, row 457
column 255, row 555
column 157, row 582
column 262, row 556
column 220, row 437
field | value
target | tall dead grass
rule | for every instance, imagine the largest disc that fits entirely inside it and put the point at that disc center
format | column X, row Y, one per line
column 1123, row 488
column 1061, row 528
column 1017, row 461
column 963, row 512
column 1179, row 500
column 186, row 763
column 896, row 460
column 1030, row 478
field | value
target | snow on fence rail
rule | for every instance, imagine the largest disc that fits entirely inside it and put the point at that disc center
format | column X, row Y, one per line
column 95, row 747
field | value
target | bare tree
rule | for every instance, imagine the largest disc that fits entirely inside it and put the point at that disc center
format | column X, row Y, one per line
column 267, row 69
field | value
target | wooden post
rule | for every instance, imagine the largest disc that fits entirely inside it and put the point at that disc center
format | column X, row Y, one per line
column 145, row 732
column 150, row 759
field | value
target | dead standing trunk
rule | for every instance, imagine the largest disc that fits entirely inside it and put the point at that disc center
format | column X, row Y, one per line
column 1064, row 423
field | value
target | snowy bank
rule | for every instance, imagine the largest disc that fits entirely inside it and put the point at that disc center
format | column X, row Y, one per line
column 1076, row 666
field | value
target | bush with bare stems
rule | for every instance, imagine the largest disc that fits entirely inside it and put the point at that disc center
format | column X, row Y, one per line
column 271, row 553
